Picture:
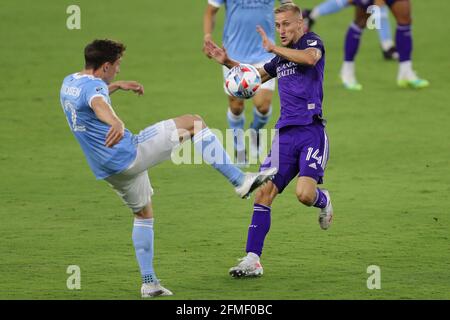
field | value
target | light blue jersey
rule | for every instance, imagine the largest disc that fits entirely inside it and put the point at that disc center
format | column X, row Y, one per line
column 76, row 94
column 240, row 38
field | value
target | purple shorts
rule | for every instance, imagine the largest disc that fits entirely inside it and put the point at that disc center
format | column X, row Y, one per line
column 298, row 150
column 367, row 3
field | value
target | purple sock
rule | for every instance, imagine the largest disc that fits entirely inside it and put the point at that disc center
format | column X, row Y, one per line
column 321, row 199
column 403, row 39
column 258, row 229
column 352, row 42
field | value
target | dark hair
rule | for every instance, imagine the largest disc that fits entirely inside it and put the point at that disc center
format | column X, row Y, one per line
column 98, row 52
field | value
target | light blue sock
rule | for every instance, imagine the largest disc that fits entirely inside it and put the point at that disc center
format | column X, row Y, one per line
column 384, row 33
column 259, row 119
column 328, row 7
column 237, row 122
column 143, row 246
column 212, row 151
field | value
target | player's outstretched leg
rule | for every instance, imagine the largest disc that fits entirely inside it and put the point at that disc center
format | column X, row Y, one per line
column 250, row 265
column 212, row 151
column 143, row 244
column 406, row 76
column 308, row 194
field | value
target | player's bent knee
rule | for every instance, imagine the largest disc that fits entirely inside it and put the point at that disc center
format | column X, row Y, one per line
column 237, row 110
column 190, row 122
column 265, row 107
column 236, row 106
column 306, row 198
column 145, row 213
column 198, row 119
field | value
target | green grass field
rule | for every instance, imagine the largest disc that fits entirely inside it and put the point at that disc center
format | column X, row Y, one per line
column 389, row 167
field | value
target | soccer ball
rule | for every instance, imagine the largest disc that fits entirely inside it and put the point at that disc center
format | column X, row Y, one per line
column 242, row 81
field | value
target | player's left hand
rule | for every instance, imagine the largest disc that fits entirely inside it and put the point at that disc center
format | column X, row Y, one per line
column 132, row 85
column 215, row 52
column 267, row 44
column 115, row 133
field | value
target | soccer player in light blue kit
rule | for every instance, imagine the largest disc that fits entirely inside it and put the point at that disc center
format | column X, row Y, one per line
column 242, row 44
column 122, row 158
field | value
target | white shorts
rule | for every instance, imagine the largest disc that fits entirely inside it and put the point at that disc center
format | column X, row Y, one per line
column 155, row 144
column 268, row 85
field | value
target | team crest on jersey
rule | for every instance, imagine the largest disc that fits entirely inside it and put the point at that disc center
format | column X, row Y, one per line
column 311, row 43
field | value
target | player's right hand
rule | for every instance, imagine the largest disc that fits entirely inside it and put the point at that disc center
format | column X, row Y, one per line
column 267, row 44
column 115, row 134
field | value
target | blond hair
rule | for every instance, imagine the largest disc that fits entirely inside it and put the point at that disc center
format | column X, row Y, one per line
column 289, row 7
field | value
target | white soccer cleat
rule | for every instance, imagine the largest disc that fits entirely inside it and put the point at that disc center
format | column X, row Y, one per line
column 254, row 180
column 351, row 83
column 249, row 266
column 151, row 290
column 326, row 214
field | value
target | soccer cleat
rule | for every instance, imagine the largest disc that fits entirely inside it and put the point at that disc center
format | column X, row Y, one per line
column 390, row 54
column 414, row 83
column 349, row 81
column 254, row 180
column 247, row 267
column 351, row 84
column 326, row 214
column 151, row 290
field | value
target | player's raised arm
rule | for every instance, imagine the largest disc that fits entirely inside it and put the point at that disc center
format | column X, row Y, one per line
column 308, row 56
column 105, row 113
column 126, row 85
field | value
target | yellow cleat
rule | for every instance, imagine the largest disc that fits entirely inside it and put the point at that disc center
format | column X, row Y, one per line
column 414, row 84
column 350, row 83
column 355, row 86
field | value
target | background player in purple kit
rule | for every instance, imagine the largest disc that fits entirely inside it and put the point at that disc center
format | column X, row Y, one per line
column 301, row 145
column 328, row 7
column 401, row 9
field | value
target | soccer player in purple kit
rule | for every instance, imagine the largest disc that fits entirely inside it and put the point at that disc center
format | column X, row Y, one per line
column 401, row 9
column 301, row 144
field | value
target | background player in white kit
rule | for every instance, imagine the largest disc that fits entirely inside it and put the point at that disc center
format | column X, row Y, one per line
column 243, row 44
column 122, row 158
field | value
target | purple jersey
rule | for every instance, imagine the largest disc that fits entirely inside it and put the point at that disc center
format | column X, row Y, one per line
column 367, row 3
column 299, row 86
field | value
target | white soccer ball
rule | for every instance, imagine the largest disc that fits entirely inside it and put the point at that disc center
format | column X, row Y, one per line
column 242, row 81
